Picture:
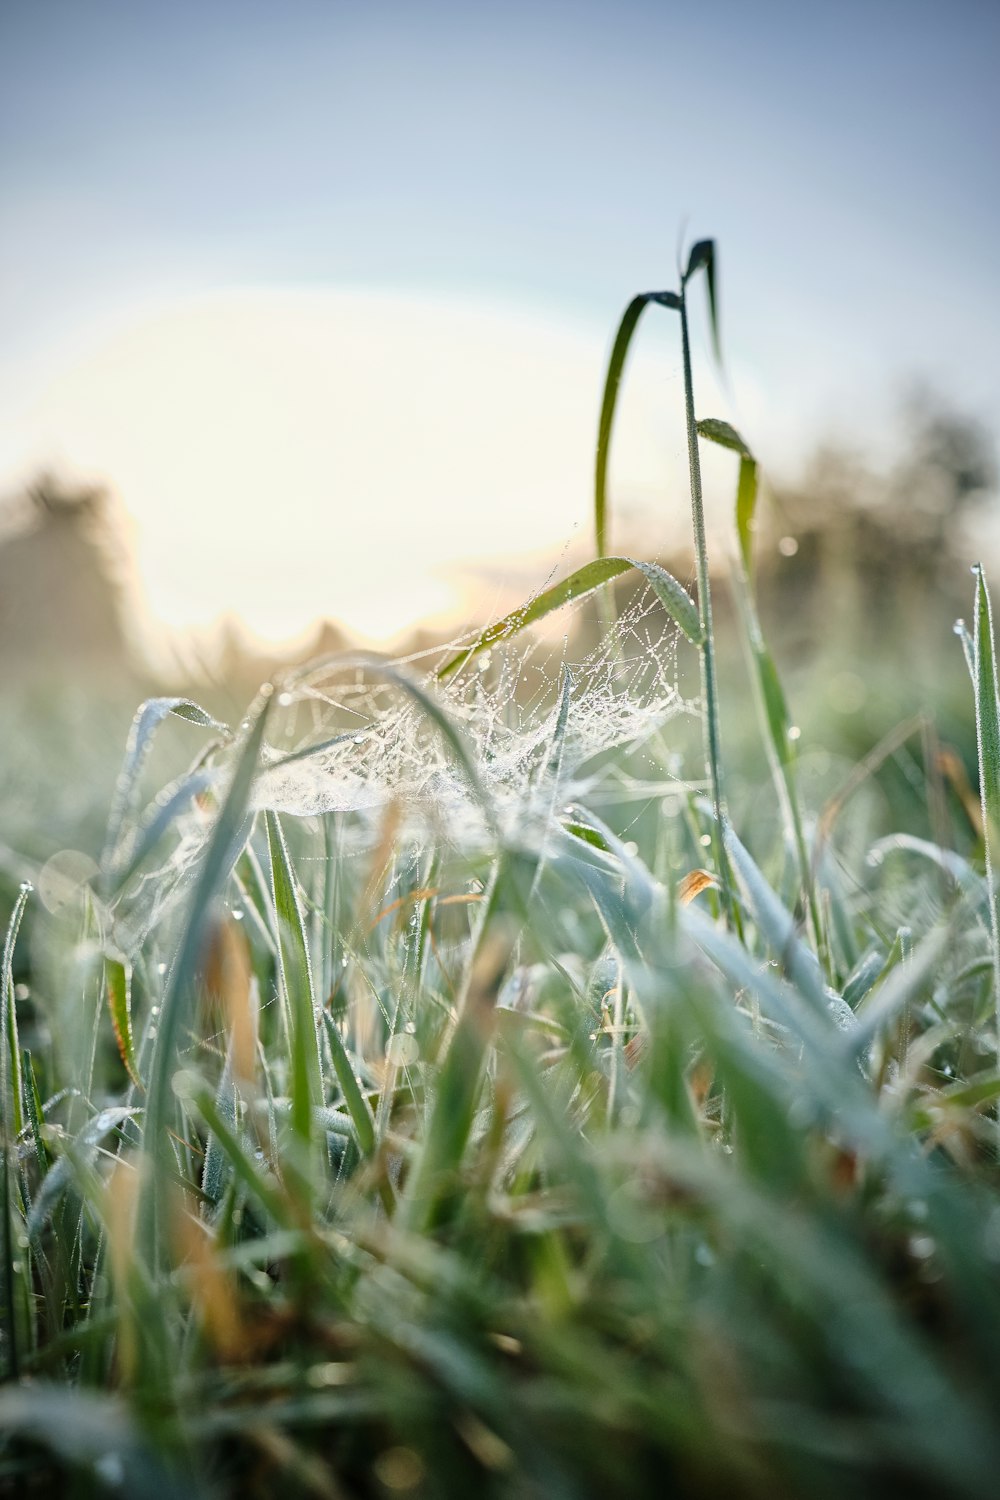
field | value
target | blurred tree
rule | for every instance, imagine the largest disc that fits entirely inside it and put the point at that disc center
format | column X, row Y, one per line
column 852, row 550
column 65, row 576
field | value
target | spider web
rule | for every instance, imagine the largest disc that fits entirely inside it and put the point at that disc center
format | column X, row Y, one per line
column 545, row 722
column 536, row 717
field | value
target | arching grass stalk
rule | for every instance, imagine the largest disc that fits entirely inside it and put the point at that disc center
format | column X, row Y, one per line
column 984, row 665
column 703, row 257
column 776, row 724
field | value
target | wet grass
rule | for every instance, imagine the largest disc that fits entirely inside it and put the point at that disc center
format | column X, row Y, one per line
column 537, row 1147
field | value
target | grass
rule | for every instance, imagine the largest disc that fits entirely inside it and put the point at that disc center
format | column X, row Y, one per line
column 506, row 1140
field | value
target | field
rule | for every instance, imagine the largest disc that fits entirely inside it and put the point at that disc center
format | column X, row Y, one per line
column 442, row 1085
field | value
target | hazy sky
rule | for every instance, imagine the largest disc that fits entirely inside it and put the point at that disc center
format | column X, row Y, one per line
column 529, row 164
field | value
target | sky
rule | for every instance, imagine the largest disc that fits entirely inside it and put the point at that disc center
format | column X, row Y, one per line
column 325, row 290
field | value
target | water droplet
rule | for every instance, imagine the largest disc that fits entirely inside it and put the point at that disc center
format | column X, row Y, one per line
column 161, row 968
column 285, row 700
column 359, row 739
column 402, row 1050
column 238, row 915
column 154, row 1010
column 152, row 1033
column 922, row 1246
column 788, row 546
column 706, row 841
column 26, row 887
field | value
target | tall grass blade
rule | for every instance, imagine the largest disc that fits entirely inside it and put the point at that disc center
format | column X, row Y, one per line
column 703, row 257
column 459, row 1081
column 778, row 927
column 11, row 1107
column 355, row 1101
column 672, row 595
column 988, row 742
column 616, row 367
column 148, row 719
column 228, row 837
column 776, row 724
column 297, row 982
column 702, row 253
column 118, row 983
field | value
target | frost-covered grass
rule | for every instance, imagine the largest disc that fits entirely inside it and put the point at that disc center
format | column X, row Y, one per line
column 434, row 1092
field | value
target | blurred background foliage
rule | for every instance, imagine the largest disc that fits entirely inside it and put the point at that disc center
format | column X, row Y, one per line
column 862, row 571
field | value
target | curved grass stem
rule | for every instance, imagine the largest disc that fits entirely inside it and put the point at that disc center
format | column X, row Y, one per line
column 709, row 682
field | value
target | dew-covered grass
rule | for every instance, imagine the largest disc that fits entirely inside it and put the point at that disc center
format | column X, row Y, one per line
column 443, row 1085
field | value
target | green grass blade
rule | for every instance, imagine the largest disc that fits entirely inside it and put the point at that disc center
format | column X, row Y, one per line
column 228, row 837
column 10, row 1107
column 593, row 575
column 612, row 381
column 10, row 1079
column 898, row 990
column 357, row 1105
column 988, row 742
column 778, row 927
column 459, row 1082
column 297, row 982
column 117, row 979
column 34, row 1114
column 726, row 436
column 772, row 707
column 136, row 846
column 214, row 1175
column 148, row 719
column 703, row 257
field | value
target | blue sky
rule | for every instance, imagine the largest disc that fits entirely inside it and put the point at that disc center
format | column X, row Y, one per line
column 537, row 156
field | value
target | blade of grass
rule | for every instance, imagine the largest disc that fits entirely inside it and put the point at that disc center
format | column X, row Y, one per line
column 988, row 743
column 297, row 982
column 118, row 983
column 772, row 708
column 672, row 595
column 148, row 718
column 616, row 367
column 703, row 256
column 228, row 837
column 357, row 1105
column 10, row 1105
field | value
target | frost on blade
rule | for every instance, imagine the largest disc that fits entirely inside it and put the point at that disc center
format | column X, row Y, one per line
column 505, row 704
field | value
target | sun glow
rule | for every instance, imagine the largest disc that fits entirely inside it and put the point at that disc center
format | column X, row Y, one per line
column 288, row 456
